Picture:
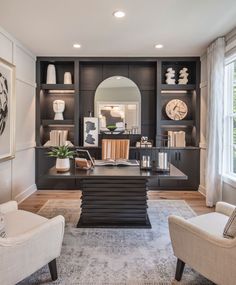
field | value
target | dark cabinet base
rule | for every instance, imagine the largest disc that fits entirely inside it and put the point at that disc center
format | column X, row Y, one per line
column 185, row 159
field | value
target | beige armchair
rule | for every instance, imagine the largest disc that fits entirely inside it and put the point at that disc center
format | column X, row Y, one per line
column 31, row 242
column 199, row 242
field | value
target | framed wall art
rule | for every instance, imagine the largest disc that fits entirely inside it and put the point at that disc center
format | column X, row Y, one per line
column 90, row 131
column 7, row 110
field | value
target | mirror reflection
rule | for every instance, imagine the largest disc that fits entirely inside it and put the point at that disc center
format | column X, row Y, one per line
column 117, row 104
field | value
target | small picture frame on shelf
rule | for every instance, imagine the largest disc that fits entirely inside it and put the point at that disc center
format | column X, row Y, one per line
column 90, row 131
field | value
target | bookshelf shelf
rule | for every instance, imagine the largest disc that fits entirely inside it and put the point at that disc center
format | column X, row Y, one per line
column 57, row 122
column 166, row 123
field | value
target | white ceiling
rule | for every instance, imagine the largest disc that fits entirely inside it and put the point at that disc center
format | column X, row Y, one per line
column 184, row 27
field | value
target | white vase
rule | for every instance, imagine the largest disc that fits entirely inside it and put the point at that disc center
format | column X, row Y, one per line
column 51, row 74
column 67, row 78
column 62, row 164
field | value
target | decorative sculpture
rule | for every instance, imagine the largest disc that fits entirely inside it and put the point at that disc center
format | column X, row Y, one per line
column 58, row 108
column 51, row 74
column 183, row 76
column 170, row 76
column 67, row 78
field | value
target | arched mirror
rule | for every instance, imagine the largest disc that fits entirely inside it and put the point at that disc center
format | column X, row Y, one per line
column 117, row 104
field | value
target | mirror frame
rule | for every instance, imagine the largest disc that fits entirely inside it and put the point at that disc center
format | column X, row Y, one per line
column 137, row 103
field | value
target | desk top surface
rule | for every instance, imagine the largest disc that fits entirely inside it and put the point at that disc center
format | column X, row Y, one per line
column 125, row 172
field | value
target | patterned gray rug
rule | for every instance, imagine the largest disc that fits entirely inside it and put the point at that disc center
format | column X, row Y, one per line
column 117, row 256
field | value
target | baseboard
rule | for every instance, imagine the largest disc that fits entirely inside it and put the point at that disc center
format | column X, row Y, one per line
column 25, row 194
column 202, row 190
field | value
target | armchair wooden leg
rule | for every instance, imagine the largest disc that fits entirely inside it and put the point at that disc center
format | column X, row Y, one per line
column 179, row 269
column 53, row 269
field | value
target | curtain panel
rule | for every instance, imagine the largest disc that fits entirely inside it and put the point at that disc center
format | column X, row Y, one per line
column 215, row 117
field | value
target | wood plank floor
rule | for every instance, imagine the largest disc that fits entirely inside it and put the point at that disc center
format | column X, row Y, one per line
column 194, row 199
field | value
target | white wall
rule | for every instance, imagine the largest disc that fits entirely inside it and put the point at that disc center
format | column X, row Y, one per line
column 17, row 176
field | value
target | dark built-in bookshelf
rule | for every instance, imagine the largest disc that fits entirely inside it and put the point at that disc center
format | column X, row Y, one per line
column 149, row 75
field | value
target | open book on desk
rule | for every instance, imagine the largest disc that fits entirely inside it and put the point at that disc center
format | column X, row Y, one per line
column 117, row 162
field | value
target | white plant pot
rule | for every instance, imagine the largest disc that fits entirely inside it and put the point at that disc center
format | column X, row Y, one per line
column 51, row 74
column 62, row 164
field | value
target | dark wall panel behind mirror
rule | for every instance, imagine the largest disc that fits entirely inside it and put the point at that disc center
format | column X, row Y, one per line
column 143, row 74
column 115, row 69
column 90, row 76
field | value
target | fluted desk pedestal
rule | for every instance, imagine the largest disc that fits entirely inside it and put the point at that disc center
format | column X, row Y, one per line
column 114, row 196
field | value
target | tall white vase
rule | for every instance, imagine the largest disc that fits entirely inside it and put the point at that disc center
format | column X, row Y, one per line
column 51, row 74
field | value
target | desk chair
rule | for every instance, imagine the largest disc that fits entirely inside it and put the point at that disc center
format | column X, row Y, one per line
column 115, row 149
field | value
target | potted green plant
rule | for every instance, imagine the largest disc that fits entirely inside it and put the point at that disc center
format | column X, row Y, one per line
column 63, row 155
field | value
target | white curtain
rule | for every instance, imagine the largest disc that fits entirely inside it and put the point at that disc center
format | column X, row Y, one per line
column 215, row 113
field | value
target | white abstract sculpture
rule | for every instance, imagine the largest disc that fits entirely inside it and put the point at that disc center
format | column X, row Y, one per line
column 58, row 108
column 183, row 76
column 170, row 76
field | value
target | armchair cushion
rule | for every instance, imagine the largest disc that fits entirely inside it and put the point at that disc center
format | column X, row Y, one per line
column 8, row 207
column 208, row 223
column 19, row 222
column 230, row 228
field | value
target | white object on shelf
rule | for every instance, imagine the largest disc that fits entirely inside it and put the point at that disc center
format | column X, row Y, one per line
column 162, row 160
column 67, row 78
column 62, row 164
column 58, row 108
column 180, row 139
column 171, row 140
column 58, row 138
column 51, row 74
column 170, row 76
column 176, row 139
column 183, row 76
column 50, row 143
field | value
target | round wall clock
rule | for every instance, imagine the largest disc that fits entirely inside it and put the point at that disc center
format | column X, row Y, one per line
column 176, row 109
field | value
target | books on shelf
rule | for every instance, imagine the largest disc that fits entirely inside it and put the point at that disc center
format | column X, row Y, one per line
column 58, row 138
column 176, row 139
column 117, row 162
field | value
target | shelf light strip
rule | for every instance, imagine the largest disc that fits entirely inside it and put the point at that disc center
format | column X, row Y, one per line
column 61, row 125
column 61, row 91
column 174, row 91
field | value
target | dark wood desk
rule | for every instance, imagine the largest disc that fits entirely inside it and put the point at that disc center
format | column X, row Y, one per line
column 114, row 196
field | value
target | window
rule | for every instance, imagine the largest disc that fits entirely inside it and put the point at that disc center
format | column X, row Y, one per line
column 230, row 119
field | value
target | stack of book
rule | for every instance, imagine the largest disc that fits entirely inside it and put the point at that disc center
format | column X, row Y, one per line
column 58, row 137
column 176, row 139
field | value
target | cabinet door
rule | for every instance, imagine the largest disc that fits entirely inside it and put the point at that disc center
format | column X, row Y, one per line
column 186, row 160
column 188, row 163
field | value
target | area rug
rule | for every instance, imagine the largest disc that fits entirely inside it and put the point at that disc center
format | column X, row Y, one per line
column 117, row 256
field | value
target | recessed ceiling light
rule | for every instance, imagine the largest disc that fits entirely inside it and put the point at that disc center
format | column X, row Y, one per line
column 119, row 14
column 76, row 46
column 159, row 46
